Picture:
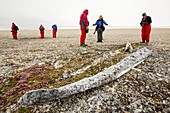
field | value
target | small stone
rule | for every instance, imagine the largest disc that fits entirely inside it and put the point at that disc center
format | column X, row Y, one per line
column 40, row 64
column 141, row 107
column 139, row 70
column 164, row 101
column 58, row 64
column 137, row 111
column 112, row 90
column 8, row 111
column 147, row 87
column 99, row 103
column 160, row 79
column 85, row 52
column 158, row 74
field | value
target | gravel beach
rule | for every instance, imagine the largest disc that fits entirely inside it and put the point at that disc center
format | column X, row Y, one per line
column 145, row 89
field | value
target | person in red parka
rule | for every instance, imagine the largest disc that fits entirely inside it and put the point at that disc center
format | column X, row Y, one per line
column 146, row 28
column 14, row 31
column 84, row 23
column 41, row 28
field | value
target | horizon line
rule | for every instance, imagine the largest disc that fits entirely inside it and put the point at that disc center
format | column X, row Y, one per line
column 92, row 27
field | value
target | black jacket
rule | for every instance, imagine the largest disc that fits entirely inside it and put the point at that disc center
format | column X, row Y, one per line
column 147, row 21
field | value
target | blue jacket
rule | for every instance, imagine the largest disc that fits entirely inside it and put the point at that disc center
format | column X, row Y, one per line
column 99, row 24
column 54, row 27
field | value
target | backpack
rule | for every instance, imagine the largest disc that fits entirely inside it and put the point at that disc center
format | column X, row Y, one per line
column 16, row 28
column 102, row 27
column 41, row 28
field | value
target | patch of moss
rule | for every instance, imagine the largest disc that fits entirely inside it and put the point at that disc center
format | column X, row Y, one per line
column 37, row 80
column 93, row 70
column 23, row 110
column 138, row 45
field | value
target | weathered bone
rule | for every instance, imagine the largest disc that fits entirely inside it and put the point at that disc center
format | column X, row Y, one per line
column 129, row 47
column 108, row 75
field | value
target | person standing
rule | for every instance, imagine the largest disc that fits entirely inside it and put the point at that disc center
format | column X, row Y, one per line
column 100, row 28
column 14, row 31
column 54, row 28
column 146, row 28
column 41, row 28
column 84, row 23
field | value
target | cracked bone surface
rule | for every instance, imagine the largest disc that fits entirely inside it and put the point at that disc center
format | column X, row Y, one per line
column 104, row 77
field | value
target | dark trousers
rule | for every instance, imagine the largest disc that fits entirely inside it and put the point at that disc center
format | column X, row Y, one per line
column 99, row 35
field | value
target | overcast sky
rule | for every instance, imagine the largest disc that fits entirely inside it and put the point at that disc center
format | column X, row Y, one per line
column 29, row 14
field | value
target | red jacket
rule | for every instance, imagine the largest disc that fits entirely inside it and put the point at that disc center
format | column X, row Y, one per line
column 13, row 27
column 41, row 28
column 84, row 20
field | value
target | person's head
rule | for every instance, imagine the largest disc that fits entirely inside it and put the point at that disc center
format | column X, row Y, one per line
column 86, row 11
column 100, row 17
column 144, row 15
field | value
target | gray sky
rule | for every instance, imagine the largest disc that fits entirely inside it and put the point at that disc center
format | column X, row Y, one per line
column 29, row 14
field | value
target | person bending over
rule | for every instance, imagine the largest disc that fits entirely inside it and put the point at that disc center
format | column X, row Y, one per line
column 146, row 28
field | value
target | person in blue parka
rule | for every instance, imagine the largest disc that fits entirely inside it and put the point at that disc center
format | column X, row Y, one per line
column 54, row 27
column 100, row 28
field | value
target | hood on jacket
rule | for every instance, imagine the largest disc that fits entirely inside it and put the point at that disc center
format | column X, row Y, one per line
column 86, row 12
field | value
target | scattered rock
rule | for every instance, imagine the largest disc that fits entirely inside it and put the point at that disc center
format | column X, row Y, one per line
column 58, row 64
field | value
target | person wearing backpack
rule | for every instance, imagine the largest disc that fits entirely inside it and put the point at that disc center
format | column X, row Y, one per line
column 14, row 31
column 100, row 28
column 54, row 28
column 84, row 23
column 41, row 28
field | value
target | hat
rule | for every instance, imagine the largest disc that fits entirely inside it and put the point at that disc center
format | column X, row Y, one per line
column 144, row 14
